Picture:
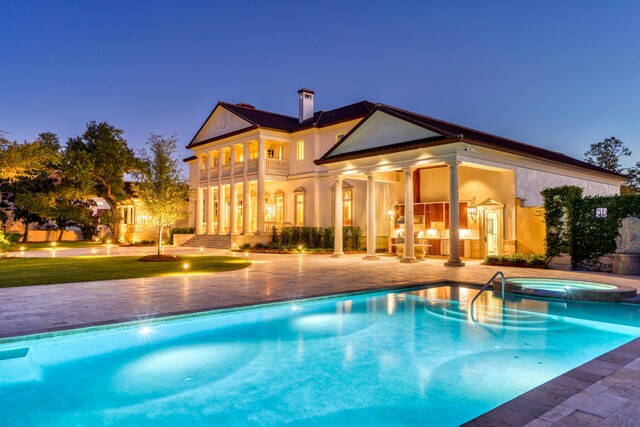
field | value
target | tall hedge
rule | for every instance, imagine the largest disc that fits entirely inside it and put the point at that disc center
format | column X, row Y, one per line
column 596, row 236
column 573, row 228
column 559, row 204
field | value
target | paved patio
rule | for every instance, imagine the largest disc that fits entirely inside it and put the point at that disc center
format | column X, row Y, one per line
column 272, row 278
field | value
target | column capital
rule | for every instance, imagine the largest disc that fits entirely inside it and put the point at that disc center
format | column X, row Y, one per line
column 452, row 163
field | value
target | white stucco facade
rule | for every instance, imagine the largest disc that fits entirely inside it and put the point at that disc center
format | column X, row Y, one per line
column 461, row 184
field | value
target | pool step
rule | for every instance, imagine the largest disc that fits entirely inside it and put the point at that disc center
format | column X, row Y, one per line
column 17, row 366
column 502, row 318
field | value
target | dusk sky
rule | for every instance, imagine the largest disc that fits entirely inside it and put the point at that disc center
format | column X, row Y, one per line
column 558, row 74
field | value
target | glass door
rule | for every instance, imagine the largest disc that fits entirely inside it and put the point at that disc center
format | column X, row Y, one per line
column 492, row 237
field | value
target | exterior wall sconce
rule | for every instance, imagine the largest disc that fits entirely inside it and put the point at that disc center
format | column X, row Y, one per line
column 600, row 213
column 270, row 152
column 472, row 210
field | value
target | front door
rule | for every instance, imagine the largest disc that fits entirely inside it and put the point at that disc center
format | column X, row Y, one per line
column 493, row 236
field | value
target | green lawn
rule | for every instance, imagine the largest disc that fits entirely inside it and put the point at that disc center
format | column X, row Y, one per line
column 30, row 246
column 44, row 271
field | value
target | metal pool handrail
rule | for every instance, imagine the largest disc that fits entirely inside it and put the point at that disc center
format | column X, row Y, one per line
column 485, row 287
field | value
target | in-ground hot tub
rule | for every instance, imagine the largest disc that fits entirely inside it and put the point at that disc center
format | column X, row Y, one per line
column 567, row 289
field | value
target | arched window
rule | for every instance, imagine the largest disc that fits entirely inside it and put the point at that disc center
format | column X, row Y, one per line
column 298, row 202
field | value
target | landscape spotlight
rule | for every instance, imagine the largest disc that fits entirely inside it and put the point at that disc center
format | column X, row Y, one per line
column 185, row 266
column 22, row 250
column 53, row 244
column 93, row 251
column 201, row 251
column 246, row 256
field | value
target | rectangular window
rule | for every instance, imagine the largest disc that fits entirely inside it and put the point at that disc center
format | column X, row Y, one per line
column 279, row 199
column 299, row 209
column 300, row 148
column 347, row 207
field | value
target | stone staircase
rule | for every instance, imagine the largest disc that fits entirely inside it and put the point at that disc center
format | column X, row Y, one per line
column 209, row 241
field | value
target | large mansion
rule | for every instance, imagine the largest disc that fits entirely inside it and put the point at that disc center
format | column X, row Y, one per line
column 460, row 192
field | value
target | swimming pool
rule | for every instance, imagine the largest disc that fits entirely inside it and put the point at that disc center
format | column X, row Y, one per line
column 394, row 358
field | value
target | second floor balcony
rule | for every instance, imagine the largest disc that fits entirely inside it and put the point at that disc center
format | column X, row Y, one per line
column 272, row 167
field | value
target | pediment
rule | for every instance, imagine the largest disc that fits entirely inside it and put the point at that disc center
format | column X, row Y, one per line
column 379, row 130
column 219, row 123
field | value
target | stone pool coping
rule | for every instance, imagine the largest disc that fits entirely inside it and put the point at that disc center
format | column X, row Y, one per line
column 603, row 391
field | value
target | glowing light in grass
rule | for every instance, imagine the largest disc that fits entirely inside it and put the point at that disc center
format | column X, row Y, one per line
column 201, row 251
column 185, row 267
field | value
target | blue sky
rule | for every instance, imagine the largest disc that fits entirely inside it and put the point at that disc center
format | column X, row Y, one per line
column 558, row 74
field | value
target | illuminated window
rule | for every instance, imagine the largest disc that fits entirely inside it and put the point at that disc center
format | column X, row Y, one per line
column 340, row 136
column 347, row 206
column 298, row 201
column 300, row 148
column 279, row 206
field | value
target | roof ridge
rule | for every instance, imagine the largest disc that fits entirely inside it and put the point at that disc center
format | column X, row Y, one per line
column 321, row 112
column 256, row 109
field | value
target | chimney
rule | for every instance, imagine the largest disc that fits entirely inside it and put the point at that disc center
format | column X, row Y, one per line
column 305, row 104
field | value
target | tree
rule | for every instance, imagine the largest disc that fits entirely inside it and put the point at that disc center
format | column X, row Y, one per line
column 30, row 184
column 160, row 184
column 30, row 208
column 607, row 154
column 97, row 161
column 70, row 208
column 27, row 160
column 632, row 187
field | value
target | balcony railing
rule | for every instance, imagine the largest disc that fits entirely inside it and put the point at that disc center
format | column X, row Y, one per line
column 277, row 166
column 272, row 166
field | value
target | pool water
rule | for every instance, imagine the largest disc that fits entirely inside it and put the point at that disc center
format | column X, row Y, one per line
column 559, row 284
column 397, row 358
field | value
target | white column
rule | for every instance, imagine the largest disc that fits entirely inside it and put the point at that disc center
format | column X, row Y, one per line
column 261, row 184
column 233, row 194
column 210, row 195
column 199, row 204
column 209, row 156
column 337, row 252
column 371, row 218
column 454, row 217
column 246, row 193
column 199, row 167
column 408, row 217
column 220, row 195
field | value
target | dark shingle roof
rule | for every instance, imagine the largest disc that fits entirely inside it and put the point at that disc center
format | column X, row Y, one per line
column 451, row 133
column 266, row 119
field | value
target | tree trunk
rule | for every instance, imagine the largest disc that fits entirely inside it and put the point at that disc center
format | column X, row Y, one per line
column 25, row 236
column 113, row 206
column 160, row 240
column 60, row 235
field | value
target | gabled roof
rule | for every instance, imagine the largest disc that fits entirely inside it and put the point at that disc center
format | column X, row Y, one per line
column 268, row 120
column 450, row 132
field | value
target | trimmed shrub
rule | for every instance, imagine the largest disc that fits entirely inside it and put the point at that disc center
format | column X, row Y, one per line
column 180, row 230
column 518, row 260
